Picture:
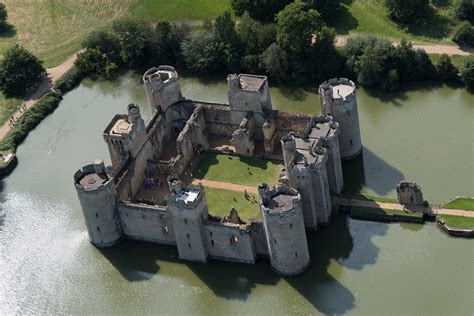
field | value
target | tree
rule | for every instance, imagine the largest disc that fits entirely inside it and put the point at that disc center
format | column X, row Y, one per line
column 165, row 43
column 325, row 60
column 464, row 34
column 445, row 69
column 327, row 8
column 275, row 62
column 20, row 72
column 134, row 39
column 296, row 27
column 3, row 18
column 466, row 72
column 92, row 61
column 228, row 41
column 262, row 10
column 408, row 11
column 107, row 43
column 464, row 10
column 202, row 53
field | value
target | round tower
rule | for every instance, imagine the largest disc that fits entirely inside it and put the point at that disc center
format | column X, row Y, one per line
column 284, row 228
column 162, row 87
column 98, row 198
column 338, row 98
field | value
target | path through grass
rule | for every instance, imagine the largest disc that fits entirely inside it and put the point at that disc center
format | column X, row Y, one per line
column 238, row 170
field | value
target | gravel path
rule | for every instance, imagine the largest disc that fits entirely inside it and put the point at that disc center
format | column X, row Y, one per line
column 450, row 50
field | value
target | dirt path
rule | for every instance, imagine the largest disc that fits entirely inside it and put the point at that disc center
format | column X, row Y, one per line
column 340, row 201
column 53, row 74
column 450, row 50
column 226, row 186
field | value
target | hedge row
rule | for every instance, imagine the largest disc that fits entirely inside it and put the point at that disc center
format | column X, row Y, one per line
column 71, row 79
column 29, row 120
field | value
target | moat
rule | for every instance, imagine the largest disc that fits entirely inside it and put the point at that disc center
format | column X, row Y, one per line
column 44, row 242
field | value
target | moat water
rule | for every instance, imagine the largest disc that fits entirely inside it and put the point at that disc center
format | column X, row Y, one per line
column 425, row 134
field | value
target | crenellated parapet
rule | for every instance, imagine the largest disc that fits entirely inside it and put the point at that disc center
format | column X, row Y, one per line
column 162, row 87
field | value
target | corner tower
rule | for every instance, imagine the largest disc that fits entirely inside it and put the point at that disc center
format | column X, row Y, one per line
column 338, row 98
column 284, row 229
column 162, row 87
column 188, row 208
column 98, row 198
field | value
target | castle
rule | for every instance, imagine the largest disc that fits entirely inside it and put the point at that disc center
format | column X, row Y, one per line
column 118, row 201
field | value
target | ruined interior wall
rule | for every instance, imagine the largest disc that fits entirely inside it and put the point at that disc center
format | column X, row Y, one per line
column 147, row 223
column 291, row 121
column 257, row 232
column 218, row 242
column 218, row 120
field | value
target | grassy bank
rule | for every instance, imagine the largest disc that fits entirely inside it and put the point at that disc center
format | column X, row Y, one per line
column 238, row 170
column 460, row 203
column 8, row 106
column 370, row 17
column 220, row 201
column 361, row 211
column 458, row 221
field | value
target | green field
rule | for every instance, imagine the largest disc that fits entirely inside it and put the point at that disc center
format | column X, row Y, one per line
column 466, row 204
column 8, row 107
column 238, row 170
column 221, row 201
column 361, row 210
column 156, row 10
column 370, row 17
column 458, row 221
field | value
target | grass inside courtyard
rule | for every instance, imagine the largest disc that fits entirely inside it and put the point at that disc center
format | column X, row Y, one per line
column 238, row 170
column 458, row 221
column 220, row 201
column 361, row 210
column 466, row 204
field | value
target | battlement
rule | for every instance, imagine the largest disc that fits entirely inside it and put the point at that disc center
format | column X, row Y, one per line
column 251, row 83
column 162, row 87
column 338, row 89
column 92, row 177
column 278, row 201
column 160, row 75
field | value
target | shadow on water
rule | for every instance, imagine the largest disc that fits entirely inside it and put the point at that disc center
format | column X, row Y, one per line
column 345, row 242
column 370, row 171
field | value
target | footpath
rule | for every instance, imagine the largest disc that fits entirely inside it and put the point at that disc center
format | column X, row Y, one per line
column 341, row 40
column 53, row 74
column 342, row 201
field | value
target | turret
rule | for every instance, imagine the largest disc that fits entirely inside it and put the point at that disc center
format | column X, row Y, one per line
column 325, row 129
column 162, row 87
column 338, row 98
column 306, row 170
column 284, row 228
column 98, row 199
column 125, row 134
column 188, row 208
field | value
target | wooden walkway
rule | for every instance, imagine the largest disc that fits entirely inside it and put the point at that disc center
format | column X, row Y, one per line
column 342, row 201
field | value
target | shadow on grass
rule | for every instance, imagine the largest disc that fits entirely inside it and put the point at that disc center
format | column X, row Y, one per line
column 344, row 21
column 9, row 32
column 435, row 27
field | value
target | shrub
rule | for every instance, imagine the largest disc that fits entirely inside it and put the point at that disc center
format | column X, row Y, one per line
column 275, row 62
column 466, row 72
column 20, row 72
column 464, row 34
column 408, row 11
column 464, row 10
column 69, row 80
column 445, row 69
column 29, row 120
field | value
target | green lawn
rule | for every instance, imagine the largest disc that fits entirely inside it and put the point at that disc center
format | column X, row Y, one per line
column 361, row 210
column 238, row 170
column 461, row 204
column 157, row 10
column 8, row 107
column 220, row 201
column 458, row 221
column 370, row 17
column 457, row 60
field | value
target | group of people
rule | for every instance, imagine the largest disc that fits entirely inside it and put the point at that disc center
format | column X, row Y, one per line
column 13, row 119
column 152, row 183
